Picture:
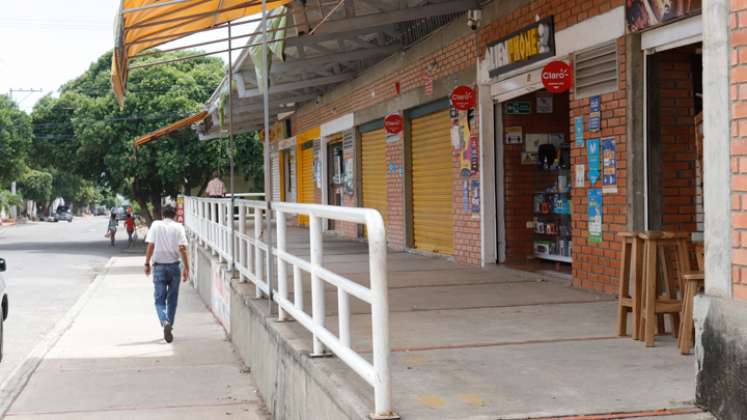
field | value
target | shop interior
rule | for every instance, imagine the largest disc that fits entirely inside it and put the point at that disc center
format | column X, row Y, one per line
column 537, row 189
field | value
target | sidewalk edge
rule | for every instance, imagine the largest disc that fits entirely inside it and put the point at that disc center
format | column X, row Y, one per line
column 12, row 387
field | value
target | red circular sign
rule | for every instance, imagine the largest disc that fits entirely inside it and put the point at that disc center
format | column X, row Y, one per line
column 463, row 98
column 393, row 123
column 556, row 76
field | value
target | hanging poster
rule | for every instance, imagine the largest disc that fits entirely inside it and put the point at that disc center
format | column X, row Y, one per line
column 475, row 196
column 347, row 177
column 593, row 155
column 594, row 196
column 465, row 196
column 642, row 14
column 595, row 106
column 474, row 155
column 580, row 176
column 544, row 104
column 579, row 126
column 514, row 135
column 609, row 166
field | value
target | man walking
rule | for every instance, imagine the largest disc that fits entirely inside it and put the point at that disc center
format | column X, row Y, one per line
column 215, row 188
column 166, row 241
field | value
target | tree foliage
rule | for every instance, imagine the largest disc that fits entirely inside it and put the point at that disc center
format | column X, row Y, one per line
column 15, row 140
column 37, row 185
column 84, row 133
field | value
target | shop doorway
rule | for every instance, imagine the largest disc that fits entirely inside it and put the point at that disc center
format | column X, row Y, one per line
column 334, row 181
column 536, row 181
column 674, row 140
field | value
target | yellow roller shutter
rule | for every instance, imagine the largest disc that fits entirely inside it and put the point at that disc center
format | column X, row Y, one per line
column 306, row 179
column 373, row 171
column 432, row 183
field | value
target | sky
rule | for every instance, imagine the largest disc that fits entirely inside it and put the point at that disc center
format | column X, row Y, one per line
column 45, row 43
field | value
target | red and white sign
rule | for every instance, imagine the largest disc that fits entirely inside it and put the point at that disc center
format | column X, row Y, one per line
column 394, row 124
column 557, row 77
column 463, row 98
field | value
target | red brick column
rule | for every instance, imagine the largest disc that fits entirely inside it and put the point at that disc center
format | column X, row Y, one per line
column 395, row 190
column 738, row 27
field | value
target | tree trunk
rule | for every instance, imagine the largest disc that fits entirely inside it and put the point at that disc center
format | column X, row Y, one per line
column 144, row 209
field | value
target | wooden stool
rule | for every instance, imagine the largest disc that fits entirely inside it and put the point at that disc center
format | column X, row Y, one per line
column 665, row 254
column 629, row 296
column 693, row 283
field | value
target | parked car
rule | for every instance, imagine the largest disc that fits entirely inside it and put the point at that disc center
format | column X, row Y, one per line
column 64, row 214
column 4, row 305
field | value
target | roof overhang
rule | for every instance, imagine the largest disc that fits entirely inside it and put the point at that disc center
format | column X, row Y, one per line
column 183, row 123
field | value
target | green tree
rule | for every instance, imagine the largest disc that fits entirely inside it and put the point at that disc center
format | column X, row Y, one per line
column 15, row 140
column 8, row 200
column 98, row 136
column 37, row 186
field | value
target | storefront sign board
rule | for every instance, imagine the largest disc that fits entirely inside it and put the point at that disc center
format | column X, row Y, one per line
column 394, row 123
column 579, row 128
column 179, row 209
column 519, row 108
column 463, row 98
column 556, row 76
column 609, row 166
column 594, row 199
column 544, row 104
column 528, row 45
column 592, row 152
column 642, row 14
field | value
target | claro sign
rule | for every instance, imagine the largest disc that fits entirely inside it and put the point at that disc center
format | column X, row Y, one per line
column 528, row 45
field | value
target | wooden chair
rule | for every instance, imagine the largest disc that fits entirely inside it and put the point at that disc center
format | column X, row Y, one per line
column 693, row 283
column 629, row 296
column 665, row 260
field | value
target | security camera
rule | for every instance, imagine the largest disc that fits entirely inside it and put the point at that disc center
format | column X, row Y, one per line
column 473, row 18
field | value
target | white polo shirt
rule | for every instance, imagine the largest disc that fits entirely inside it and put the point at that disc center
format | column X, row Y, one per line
column 166, row 235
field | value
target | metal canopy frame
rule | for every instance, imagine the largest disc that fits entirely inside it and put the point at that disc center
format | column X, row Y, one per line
column 327, row 43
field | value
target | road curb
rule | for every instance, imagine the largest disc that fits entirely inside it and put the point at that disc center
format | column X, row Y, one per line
column 12, row 387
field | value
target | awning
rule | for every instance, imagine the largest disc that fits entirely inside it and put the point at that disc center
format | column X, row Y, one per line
column 144, row 24
column 186, row 122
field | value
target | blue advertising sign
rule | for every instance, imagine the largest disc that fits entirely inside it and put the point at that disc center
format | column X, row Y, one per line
column 579, row 131
column 595, row 103
column 609, row 166
column 593, row 156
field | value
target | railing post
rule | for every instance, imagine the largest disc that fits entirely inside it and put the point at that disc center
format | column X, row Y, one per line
column 219, row 242
column 242, row 241
column 379, row 314
column 297, row 288
column 258, row 251
column 317, row 288
column 282, row 268
column 343, row 316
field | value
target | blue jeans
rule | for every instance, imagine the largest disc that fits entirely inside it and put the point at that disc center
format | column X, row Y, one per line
column 166, row 279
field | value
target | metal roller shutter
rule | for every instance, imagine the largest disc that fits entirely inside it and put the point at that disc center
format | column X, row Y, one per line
column 373, row 171
column 432, row 183
column 306, row 179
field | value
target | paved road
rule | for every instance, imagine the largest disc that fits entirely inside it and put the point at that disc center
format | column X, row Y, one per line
column 49, row 266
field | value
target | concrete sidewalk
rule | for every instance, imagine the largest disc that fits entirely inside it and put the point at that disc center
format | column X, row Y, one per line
column 112, row 363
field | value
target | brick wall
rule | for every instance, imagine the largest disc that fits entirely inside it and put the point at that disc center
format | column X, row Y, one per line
column 466, row 222
column 738, row 28
column 677, row 138
column 522, row 181
column 395, row 191
column 595, row 266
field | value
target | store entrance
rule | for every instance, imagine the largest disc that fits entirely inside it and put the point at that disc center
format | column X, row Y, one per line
column 536, row 181
column 674, row 140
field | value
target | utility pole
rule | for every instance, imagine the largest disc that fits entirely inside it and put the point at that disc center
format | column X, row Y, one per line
column 29, row 92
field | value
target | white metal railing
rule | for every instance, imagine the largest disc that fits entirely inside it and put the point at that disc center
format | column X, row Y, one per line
column 207, row 220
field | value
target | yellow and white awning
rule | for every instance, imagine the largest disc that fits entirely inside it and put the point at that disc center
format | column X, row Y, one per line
column 144, row 24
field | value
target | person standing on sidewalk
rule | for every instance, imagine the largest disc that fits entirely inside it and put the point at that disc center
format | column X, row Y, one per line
column 111, row 230
column 166, row 241
column 215, row 188
column 130, row 226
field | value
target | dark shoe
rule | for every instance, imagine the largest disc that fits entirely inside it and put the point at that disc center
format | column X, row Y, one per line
column 167, row 333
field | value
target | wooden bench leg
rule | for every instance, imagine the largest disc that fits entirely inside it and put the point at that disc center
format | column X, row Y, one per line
column 637, row 257
column 624, row 292
column 650, row 291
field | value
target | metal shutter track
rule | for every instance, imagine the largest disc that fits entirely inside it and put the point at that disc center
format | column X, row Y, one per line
column 432, row 183
column 373, row 171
